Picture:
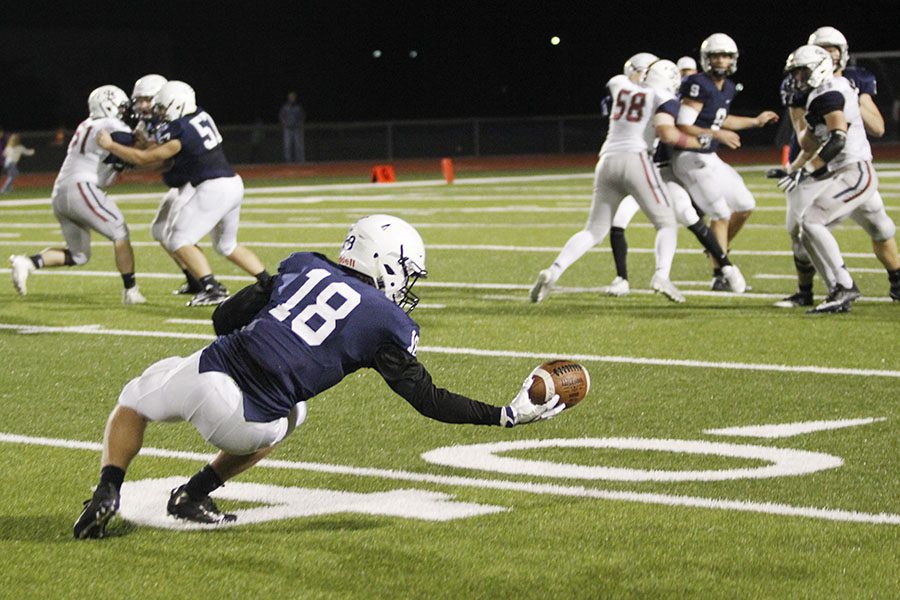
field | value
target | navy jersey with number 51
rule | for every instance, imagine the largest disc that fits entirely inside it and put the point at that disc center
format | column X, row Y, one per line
column 320, row 324
column 201, row 156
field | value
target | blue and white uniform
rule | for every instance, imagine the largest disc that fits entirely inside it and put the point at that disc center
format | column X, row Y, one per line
column 211, row 205
column 279, row 347
column 713, row 184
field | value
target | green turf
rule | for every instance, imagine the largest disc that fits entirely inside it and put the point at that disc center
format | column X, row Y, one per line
column 63, row 385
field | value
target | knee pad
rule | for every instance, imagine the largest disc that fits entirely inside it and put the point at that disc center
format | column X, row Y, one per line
column 158, row 231
column 174, row 241
column 223, row 248
column 880, row 228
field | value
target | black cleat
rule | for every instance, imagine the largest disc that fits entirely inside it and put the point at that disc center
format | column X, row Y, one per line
column 838, row 301
column 895, row 292
column 212, row 295
column 798, row 299
column 97, row 513
column 719, row 284
column 205, row 511
column 188, row 288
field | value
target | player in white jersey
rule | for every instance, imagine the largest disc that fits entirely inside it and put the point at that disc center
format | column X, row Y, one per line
column 863, row 81
column 625, row 168
column 660, row 74
column 79, row 202
column 847, row 183
column 634, row 69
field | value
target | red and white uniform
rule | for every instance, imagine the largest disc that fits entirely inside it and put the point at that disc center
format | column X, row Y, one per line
column 79, row 202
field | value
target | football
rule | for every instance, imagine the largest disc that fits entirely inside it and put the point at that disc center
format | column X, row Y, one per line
column 564, row 377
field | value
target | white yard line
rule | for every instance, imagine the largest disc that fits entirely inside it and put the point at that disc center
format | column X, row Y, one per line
column 769, row 508
column 94, row 329
column 451, row 284
column 783, row 430
column 302, row 246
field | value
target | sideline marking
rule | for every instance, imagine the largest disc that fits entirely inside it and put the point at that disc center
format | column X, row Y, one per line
column 790, row 429
column 496, row 484
column 668, row 362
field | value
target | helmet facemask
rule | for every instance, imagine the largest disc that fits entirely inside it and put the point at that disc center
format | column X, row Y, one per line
column 404, row 297
column 718, row 44
column 809, row 67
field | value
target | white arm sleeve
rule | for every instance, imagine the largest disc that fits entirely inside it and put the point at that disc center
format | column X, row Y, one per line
column 687, row 115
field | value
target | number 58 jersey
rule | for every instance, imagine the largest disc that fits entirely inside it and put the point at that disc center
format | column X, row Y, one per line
column 632, row 111
column 321, row 324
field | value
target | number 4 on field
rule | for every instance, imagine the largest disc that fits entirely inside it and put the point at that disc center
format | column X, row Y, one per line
column 144, row 503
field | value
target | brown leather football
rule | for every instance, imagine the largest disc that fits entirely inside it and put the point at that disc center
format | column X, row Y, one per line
column 564, row 377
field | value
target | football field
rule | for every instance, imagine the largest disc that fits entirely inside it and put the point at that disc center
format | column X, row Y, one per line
column 726, row 448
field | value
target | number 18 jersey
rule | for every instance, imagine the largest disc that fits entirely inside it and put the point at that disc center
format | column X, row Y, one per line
column 321, row 324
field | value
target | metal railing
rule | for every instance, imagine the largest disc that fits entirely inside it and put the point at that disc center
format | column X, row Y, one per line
column 389, row 140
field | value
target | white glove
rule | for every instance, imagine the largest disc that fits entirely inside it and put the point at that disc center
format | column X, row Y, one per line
column 791, row 180
column 521, row 410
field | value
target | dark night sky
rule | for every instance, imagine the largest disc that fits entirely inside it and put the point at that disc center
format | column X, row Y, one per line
column 474, row 58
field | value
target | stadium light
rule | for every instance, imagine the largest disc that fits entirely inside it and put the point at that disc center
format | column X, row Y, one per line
column 554, row 41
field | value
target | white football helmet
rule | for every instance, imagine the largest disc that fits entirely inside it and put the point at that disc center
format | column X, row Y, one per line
column 174, row 100
column 637, row 64
column 829, row 36
column 390, row 251
column 686, row 62
column 814, row 59
column 663, row 75
column 107, row 101
column 148, row 86
column 718, row 43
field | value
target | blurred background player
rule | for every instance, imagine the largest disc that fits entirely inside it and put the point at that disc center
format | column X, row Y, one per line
column 188, row 137
column 145, row 125
column 634, row 70
column 847, row 183
column 661, row 75
column 686, row 66
column 799, row 197
column 12, row 153
column 714, row 185
column 310, row 326
column 625, row 168
column 79, row 202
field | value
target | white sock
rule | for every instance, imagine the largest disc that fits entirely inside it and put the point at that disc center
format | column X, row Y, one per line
column 666, row 241
column 574, row 249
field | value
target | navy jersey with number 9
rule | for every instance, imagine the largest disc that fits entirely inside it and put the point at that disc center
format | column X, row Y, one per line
column 320, row 324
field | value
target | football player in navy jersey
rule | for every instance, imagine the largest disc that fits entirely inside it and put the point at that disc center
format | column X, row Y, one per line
column 863, row 80
column 834, row 42
column 189, row 138
column 281, row 342
column 145, row 124
column 685, row 212
column 714, row 185
column 842, row 182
